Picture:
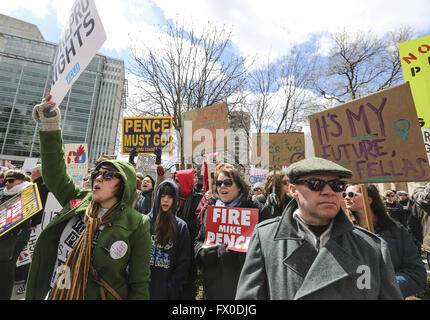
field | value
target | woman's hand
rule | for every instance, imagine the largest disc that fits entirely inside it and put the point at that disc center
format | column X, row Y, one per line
column 47, row 114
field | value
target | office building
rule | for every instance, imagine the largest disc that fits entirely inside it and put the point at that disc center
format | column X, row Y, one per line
column 90, row 112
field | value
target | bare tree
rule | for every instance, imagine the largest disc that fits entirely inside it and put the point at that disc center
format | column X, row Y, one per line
column 188, row 70
column 360, row 64
column 281, row 95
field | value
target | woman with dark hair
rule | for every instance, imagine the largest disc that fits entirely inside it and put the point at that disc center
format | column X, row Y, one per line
column 277, row 200
column 98, row 247
column 410, row 271
column 221, row 267
column 170, row 254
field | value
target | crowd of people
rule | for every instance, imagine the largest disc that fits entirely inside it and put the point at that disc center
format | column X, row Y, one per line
column 126, row 235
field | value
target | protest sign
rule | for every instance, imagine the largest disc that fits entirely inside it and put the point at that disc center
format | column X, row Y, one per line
column 230, row 226
column 426, row 137
column 377, row 137
column 76, row 161
column 51, row 210
column 19, row 208
column 255, row 175
column 284, row 148
column 29, row 164
column 145, row 134
column 80, row 40
column 415, row 59
column 210, row 123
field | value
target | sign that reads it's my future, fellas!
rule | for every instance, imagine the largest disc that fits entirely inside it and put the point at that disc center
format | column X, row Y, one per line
column 377, row 137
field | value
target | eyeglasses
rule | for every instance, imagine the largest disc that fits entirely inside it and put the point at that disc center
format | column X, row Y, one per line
column 226, row 182
column 107, row 175
column 318, row 185
column 350, row 194
column 391, row 195
column 9, row 181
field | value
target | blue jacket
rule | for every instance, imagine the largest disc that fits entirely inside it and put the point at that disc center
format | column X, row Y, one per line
column 169, row 264
column 410, row 272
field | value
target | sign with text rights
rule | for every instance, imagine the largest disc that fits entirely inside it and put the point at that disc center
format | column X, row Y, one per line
column 80, row 40
column 415, row 59
column 377, row 137
column 19, row 208
column 230, row 226
column 284, row 148
column 145, row 134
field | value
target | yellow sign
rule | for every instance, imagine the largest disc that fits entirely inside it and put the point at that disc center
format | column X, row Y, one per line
column 415, row 59
column 145, row 134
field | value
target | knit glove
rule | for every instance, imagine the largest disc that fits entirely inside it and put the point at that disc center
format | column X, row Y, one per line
column 47, row 114
column 273, row 200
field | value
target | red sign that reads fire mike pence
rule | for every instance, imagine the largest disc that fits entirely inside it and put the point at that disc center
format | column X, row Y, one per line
column 230, row 226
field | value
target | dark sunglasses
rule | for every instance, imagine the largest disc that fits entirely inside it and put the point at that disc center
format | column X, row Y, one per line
column 107, row 175
column 226, row 182
column 9, row 181
column 350, row 194
column 318, row 185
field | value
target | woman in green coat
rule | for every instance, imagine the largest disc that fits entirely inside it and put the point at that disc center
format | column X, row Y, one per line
column 98, row 247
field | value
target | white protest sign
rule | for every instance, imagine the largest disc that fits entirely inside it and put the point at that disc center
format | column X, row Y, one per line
column 77, row 161
column 29, row 164
column 426, row 136
column 51, row 210
column 80, row 40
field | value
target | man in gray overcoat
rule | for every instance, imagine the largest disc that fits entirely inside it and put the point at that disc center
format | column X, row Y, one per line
column 313, row 251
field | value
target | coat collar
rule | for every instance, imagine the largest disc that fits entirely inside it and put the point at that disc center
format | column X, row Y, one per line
column 318, row 269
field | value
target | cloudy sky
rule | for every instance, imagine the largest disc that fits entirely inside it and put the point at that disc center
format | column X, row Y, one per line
column 268, row 27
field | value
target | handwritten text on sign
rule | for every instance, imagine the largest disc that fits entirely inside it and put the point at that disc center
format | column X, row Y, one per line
column 230, row 226
column 377, row 137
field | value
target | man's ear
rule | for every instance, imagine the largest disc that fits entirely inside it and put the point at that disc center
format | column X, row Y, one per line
column 293, row 190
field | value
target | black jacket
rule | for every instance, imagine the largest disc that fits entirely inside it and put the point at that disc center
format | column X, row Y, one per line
column 220, row 267
column 43, row 192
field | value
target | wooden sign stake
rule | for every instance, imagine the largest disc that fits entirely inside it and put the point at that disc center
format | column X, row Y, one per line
column 367, row 209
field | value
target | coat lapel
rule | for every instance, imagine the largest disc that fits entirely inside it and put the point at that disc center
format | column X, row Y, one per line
column 331, row 264
column 317, row 269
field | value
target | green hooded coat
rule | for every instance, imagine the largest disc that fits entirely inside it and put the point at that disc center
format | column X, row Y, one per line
column 129, row 275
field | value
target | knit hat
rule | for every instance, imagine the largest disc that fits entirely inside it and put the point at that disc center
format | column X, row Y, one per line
column 152, row 180
column 316, row 165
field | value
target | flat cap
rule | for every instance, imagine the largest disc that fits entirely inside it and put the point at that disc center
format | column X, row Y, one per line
column 316, row 165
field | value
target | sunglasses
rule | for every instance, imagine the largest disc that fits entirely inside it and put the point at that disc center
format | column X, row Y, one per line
column 318, row 185
column 284, row 182
column 391, row 195
column 9, row 181
column 226, row 182
column 350, row 194
column 107, row 175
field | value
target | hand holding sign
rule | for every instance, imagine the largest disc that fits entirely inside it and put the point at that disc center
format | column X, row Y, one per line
column 231, row 227
column 47, row 114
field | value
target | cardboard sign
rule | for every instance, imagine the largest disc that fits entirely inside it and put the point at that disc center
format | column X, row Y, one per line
column 76, row 156
column 284, row 148
column 146, row 134
column 377, row 137
column 80, row 40
column 209, row 124
column 19, row 208
column 29, row 164
column 230, row 226
column 52, row 209
column 415, row 59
